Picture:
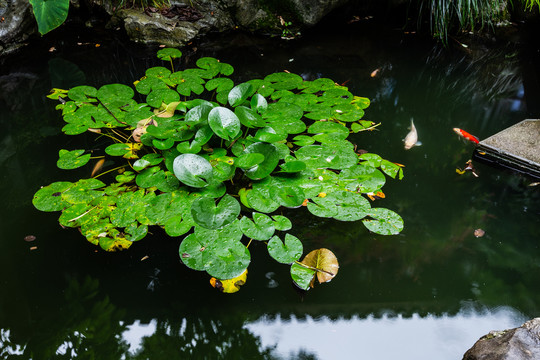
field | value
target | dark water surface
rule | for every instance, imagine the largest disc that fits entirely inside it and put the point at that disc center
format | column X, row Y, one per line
column 428, row 293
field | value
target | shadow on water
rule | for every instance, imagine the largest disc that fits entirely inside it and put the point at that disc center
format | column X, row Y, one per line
column 435, row 288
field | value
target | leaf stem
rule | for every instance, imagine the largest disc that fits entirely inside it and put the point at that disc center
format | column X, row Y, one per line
column 108, row 171
column 314, row 268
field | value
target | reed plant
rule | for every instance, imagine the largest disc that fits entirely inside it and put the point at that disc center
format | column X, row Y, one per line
column 458, row 15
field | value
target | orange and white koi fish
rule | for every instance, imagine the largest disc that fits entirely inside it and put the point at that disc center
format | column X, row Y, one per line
column 466, row 135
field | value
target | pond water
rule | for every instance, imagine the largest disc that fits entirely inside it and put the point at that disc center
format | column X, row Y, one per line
column 428, row 293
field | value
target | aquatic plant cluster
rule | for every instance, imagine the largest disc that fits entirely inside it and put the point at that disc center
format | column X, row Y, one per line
column 214, row 162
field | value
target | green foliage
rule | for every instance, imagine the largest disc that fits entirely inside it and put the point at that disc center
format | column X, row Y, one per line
column 49, row 14
column 202, row 148
column 465, row 14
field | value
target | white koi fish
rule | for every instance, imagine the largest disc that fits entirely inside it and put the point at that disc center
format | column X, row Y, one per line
column 412, row 138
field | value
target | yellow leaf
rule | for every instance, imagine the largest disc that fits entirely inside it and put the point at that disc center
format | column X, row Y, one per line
column 324, row 261
column 169, row 110
column 229, row 286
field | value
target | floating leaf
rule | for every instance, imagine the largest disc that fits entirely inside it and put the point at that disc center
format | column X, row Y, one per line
column 207, row 214
column 325, row 262
column 363, row 178
column 168, row 54
column 261, row 228
column 240, row 93
column 341, row 205
column 193, row 170
column 302, row 276
column 247, row 161
column 72, row 159
column 285, row 253
column 282, row 223
column 224, row 123
column 49, row 198
column 383, row 221
column 271, row 159
column 229, row 286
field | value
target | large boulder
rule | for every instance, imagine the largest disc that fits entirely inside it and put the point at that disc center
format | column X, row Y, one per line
column 522, row 343
column 17, row 24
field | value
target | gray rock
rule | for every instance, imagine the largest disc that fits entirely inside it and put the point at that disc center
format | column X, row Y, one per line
column 522, row 343
column 17, row 24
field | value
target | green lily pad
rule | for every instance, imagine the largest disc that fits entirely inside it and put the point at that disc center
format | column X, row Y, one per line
column 240, row 93
column 363, row 178
column 271, row 159
column 290, row 196
column 391, row 169
column 340, row 205
column 383, row 221
column 302, row 276
column 147, row 160
column 72, row 159
column 193, row 170
column 249, row 117
column 217, row 252
column 285, row 253
column 49, row 198
column 284, row 80
column 168, row 54
column 207, row 214
column 371, row 159
column 259, row 199
column 224, row 123
column 247, row 161
column 83, row 93
column 114, row 92
column 261, row 228
column 282, row 223
column 293, row 166
column 258, row 103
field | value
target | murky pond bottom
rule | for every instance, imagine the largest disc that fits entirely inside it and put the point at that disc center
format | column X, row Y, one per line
column 428, row 293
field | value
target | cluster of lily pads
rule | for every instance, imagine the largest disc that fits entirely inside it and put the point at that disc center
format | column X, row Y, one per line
column 215, row 161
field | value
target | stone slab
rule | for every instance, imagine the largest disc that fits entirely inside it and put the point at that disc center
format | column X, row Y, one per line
column 517, row 147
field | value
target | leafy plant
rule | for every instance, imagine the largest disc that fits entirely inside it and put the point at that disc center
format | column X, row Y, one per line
column 49, row 14
column 445, row 14
column 214, row 161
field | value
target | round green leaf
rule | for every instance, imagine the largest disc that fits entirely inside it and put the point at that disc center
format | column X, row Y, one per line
column 193, row 170
column 293, row 166
column 302, row 276
column 224, row 123
column 282, row 223
column 49, row 198
column 341, row 205
column 240, row 93
column 168, row 54
column 288, row 195
column 72, row 159
column 247, row 161
column 259, row 199
column 207, row 214
column 383, row 221
column 271, row 159
column 363, row 178
column 258, row 103
column 249, row 117
column 82, row 93
column 261, row 228
column 228, row 259
column 285, row 253
column 112, row 92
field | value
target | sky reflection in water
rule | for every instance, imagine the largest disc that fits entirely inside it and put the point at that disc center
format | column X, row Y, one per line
column 386, row 337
